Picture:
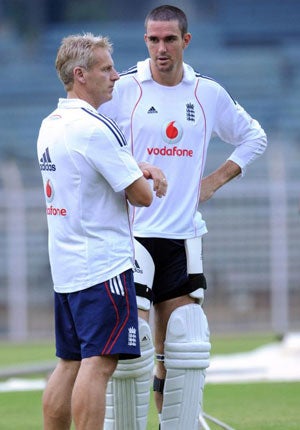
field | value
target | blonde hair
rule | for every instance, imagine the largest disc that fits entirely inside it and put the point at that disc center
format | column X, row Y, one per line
column 78, row 50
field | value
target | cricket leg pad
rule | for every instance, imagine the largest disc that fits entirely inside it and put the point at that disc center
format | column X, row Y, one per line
column 128, row 391
column 187, row 353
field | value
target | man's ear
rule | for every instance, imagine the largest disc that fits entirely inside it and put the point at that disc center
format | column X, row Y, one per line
column 186, row 40
column 79, row 74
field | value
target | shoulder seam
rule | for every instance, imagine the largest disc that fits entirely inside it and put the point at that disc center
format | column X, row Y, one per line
column 111, row 125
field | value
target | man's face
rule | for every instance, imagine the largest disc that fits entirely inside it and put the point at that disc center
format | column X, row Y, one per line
column 165, row 44
column 100, row 78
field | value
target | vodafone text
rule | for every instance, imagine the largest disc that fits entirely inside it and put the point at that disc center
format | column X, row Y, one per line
column 170, row 152
column 50, row 210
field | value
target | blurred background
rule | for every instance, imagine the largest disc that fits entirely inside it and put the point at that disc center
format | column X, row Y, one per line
column 251, row 253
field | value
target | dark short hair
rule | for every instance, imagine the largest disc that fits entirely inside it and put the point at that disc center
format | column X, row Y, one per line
column 168, row 13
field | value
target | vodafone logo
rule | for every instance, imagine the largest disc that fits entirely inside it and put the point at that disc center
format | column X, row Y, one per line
column 171, row 132
column 49, row 193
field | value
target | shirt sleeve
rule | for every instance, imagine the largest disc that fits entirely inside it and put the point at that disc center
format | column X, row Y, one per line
column 235, row 126
column 109, row 154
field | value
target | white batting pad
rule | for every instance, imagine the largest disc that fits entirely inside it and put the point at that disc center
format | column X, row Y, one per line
column 128, row 391
column 187, row 352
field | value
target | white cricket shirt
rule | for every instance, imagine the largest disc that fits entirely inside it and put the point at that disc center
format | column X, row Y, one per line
column 86, row 164
column 171, row 127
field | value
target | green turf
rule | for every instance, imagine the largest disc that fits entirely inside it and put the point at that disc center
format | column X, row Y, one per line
column 255, row 406
column 21, row 411
column 249, row 406
column 14, row 353
column 230, row 344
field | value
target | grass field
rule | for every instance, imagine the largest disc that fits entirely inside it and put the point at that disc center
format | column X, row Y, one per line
column 247, row 406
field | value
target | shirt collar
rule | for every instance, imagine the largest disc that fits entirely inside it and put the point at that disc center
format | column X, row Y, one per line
column 75, row 103
column 144, row 72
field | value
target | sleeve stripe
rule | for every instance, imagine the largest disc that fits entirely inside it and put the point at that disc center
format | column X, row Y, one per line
column 111, row 125
column 198, row 75
column 131, row 71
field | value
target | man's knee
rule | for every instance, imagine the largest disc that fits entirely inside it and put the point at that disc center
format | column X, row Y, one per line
column 187, row 339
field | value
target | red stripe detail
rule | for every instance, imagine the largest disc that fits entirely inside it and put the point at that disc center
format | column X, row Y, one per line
column 204, row 144
column 125, row 321
column 132, row 134
column 106, row 347
column 132, row 113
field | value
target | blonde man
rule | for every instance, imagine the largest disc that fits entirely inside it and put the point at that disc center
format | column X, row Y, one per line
column 89, row 176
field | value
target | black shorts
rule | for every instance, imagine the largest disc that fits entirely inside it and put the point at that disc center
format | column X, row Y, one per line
column 171, row 277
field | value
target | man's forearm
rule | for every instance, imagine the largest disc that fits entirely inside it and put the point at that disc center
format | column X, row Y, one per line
column 215, row 180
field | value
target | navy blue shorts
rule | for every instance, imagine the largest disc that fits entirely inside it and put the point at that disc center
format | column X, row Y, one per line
column 100, row 320
column 170, row 277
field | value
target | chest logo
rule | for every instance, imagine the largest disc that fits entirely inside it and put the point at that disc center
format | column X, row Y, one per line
column 190, row 112
column 152, row 110
column 171, row 132
column 49, row 191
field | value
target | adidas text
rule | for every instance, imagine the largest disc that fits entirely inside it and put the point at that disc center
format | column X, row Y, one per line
column 48, row 167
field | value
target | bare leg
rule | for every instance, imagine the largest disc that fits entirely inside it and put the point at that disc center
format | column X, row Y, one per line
column 57, row 396
column 88, row 399
column 163, row 311
column 144, row 314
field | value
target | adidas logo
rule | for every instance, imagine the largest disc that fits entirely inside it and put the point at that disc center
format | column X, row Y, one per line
column 137, row 267
column 152, row 110
column 46, row 163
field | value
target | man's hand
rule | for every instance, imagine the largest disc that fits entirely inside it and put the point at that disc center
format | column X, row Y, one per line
column 211, row 183
column 160, row 183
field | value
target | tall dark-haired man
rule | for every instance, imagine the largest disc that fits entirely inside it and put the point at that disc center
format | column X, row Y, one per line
column 169, row 113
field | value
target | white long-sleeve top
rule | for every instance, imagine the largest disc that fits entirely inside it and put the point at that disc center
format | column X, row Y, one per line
column 171, row 127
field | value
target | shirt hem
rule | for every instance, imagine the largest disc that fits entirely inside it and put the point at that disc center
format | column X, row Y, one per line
column 90, row 283
column 190, row 235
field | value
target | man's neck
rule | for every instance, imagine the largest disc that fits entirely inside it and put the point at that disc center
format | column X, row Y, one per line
column 168, row 79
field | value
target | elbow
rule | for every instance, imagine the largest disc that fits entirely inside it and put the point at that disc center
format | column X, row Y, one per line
column 143, row 200
column 139, row 193
column 146, row 200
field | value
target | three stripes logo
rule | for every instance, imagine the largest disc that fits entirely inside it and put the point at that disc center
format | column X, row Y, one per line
column 116, row 286
column 152, row 110
column 46, row 163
